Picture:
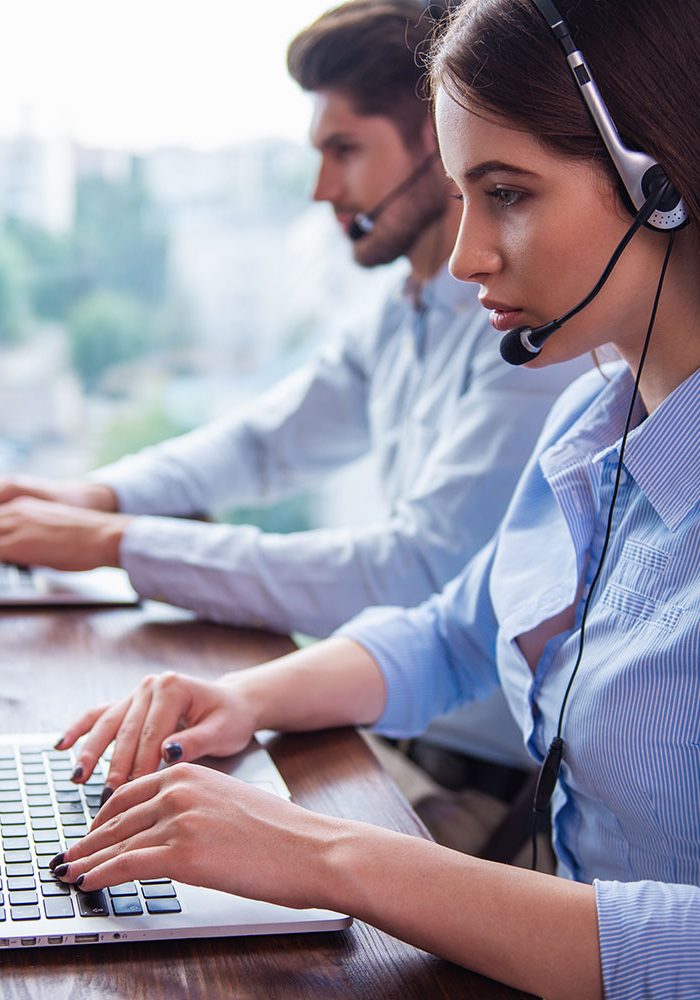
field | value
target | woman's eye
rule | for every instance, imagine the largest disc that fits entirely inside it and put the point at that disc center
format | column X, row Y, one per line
column 505, row 197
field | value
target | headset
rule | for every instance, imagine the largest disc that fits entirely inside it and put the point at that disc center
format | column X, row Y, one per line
column 658, row 206
column 651, row 195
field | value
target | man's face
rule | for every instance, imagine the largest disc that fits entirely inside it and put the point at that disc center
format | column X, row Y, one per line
column 363, row 158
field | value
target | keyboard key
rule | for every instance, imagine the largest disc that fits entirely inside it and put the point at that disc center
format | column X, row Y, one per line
column 17, row 857
column 44, row 823
column 46, row 875
column 19, row 870
column 155, row 881
column 15, row 843
column 124, row 889
column 163, row 906
column 70, row 796
column 38, row 798
column 48, row 848
column 92, row 904
column 127, row 906
column 26, row 913
column 37, row 768
column 11, row 796
column 93, row 800
column 34, row 780
column 9, row 785
column 41, row 812
column 66, row 808
column 45, row 836
column 73, row 819
column 158, row 891
column 21, row 882
column 23, row 898
column 2, row 898
column 55, row 889
column 9, row 832
column 43, row 862
column 2, row 912
column 59, row 906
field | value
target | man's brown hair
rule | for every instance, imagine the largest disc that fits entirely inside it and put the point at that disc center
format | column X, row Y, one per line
column 369, row 50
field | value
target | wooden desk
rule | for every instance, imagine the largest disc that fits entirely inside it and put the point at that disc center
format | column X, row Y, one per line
column 55, row 665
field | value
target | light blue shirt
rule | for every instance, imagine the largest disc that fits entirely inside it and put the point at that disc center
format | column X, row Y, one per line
column 626, row 812
column 452, row 427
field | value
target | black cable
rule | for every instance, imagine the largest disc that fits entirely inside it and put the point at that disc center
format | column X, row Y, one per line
column 549, row 770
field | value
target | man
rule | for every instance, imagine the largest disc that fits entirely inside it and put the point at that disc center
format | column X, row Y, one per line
column 425, row 389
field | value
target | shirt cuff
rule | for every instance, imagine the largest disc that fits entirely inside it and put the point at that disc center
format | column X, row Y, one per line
column 649, row 936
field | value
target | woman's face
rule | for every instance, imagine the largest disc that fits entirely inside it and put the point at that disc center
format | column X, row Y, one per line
column 537, row 231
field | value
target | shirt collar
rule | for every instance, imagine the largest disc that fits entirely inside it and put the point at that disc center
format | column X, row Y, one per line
column 662, row 453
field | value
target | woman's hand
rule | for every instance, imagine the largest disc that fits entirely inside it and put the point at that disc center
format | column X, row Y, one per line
column 196, row 825
column 170, row 717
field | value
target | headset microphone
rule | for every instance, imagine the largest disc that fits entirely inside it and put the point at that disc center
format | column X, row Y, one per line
column 524, row 343
column 363, row 223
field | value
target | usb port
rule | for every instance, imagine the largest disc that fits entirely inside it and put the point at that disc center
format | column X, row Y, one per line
column 86, row 938
column 54, row 939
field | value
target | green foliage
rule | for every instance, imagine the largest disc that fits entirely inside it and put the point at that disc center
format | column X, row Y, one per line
column 294, row 514
column 15, row 306
column 106, row 328
column 148, row 425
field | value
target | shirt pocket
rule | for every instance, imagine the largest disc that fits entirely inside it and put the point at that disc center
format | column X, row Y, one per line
column 639, row 586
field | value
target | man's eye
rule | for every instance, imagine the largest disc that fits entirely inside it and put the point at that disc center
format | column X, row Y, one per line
column 505, row 197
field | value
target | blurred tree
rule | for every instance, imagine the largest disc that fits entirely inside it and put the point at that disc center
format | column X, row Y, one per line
column 15, row 306
column 106, row 328
column 148, row 424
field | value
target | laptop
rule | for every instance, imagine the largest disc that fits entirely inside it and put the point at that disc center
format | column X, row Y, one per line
column 22, row 586
column 42, row 812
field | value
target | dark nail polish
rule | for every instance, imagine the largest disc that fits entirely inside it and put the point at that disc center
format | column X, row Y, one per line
column 173, row 752
column 59, row 744
column 61, row 870
column 56, row 861
column 79, row 881
column 107, row 793
column 77, row 774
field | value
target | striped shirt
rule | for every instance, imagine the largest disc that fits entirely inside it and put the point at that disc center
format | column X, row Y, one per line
column 626, row 811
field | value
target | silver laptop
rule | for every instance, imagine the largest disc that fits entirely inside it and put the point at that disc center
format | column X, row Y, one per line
column 21, row 586
column 42, row 812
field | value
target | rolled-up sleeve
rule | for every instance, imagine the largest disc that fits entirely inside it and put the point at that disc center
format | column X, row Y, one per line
column 436, row 656
column 649, row 940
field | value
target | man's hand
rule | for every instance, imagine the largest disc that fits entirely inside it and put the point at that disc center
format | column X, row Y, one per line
column 43, row 533
column 73, row 493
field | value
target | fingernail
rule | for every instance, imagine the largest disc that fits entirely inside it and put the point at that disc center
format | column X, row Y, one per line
column 173, row 752
column 79, row 881
column 61, row 870
column 59, row 744
column 77, row 774
column 57, row 860
column 107, row 793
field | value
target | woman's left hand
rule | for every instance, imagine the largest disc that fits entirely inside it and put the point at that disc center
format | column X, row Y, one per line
column 196, row 825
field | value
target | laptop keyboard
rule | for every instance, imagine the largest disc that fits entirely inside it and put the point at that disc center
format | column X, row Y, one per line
column 41, row 814
column 16, row 579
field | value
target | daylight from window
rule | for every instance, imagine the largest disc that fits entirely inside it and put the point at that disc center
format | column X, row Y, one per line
column 160, row 260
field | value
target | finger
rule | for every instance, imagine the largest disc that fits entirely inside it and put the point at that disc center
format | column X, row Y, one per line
column 78, row 728
column 129, row 736
column 154, row 861
column 102, row 733
column 127, row 797
column 112, row 833
column 71, row 871
column 171, row 701
column 215, row 735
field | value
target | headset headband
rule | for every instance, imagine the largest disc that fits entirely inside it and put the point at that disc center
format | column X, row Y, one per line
column 640, row 173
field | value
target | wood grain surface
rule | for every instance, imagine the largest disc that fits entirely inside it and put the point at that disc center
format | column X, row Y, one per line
column 54, row 666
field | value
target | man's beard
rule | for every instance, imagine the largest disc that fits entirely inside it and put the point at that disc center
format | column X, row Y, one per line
column 397, row 230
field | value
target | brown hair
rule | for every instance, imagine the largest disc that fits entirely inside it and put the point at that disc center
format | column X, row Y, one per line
column 499, row 57
column 367, row 50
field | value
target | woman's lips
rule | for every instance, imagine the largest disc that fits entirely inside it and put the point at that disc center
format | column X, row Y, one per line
column 505, row 319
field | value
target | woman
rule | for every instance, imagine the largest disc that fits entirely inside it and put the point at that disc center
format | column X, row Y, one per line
column 542, row 215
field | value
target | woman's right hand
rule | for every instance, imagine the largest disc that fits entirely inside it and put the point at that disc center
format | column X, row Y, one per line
column 170, row 717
